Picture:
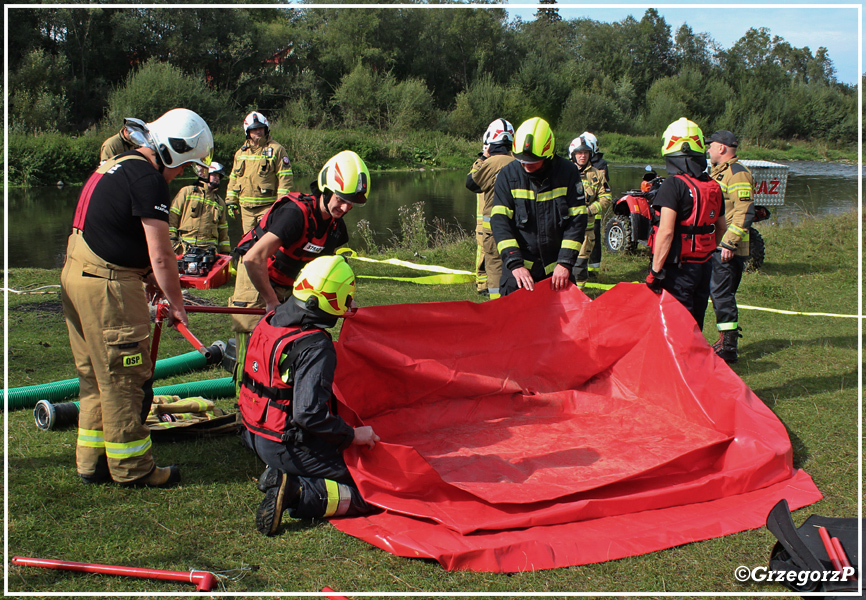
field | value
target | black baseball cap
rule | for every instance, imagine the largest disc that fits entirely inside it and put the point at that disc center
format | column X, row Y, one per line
column 723, row 137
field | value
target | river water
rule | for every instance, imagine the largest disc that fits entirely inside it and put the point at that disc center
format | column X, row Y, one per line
column 39, row 219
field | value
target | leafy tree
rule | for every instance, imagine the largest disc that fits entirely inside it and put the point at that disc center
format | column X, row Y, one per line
column 158, row 87
column 38, row 100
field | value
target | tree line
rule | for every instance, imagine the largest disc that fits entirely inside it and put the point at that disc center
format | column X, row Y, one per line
column 399, row 69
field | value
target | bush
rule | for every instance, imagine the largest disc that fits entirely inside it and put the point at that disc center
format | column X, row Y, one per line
column 158, row 87
column 48, row 158
column 484, row 101
column 37, row 100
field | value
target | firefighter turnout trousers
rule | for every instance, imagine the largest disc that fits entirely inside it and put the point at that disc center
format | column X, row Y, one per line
column 723, row 290
column 492, row 260
column 109, row 331
column 327, row 488
column 247, row 296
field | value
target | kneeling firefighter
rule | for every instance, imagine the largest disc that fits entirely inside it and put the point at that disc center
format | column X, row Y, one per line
column 287, row 405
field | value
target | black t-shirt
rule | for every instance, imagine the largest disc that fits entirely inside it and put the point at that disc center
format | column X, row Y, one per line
column 289, row 224
column 132, row 189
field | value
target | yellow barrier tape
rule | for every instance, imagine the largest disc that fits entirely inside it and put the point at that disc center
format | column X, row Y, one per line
column 448, row 276
column 791, row 312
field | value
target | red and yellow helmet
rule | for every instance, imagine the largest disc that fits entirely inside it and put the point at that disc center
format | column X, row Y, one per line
column 328, row 279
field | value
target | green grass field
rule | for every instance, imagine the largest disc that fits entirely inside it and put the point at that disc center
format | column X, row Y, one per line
column 804, row 368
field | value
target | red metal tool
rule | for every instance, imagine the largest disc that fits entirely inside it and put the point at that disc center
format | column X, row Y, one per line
column 843, row 557
column 203, row 580
column 190, row 337
column 831, row 551
column 224, row 309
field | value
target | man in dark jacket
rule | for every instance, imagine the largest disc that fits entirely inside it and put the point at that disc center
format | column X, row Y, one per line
column 287, row 405
column 539, row 212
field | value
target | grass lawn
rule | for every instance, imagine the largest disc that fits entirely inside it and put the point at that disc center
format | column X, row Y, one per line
column 805, row 368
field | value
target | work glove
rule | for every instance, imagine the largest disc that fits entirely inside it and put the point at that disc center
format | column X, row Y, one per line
column 233, row 210
column 654, row 280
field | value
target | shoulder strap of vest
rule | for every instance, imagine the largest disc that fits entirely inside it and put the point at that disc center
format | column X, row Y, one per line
column 274, row 393
column 87, row 191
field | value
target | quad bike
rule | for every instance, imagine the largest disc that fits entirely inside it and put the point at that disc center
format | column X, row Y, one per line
column 631, row 223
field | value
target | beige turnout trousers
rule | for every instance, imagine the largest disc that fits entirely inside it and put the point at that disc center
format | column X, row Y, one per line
column 109, row 331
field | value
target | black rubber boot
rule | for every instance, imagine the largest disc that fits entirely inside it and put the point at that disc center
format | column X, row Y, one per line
column 101, row 474
column 728, row 348
column 281, row 492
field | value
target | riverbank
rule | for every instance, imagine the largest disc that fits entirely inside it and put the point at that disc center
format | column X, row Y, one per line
column 51, row 158
column 803, row 367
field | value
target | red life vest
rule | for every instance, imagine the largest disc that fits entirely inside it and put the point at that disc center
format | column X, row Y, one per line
column 697, row 233
column 265, row 400
column 287, row 261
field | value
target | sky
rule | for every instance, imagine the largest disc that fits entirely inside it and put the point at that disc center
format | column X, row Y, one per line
column 816, row 24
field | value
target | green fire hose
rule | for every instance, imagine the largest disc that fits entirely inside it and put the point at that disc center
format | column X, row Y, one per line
column 28, row 396
column 64, row 414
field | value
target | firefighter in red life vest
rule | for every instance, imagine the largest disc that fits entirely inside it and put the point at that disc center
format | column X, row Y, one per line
column 689, row 221
column 294, row 231
column 119, row 243
column 287, row 405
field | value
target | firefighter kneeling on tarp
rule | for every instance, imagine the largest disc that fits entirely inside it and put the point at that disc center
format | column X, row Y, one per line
column 287, row 405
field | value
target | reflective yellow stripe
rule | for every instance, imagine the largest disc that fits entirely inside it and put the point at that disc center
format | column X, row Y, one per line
column 333, row 497
column 282, row 192
column 552, row 194
column 510, row 243
column 284, row 172
column 577, row 210
column 258, row 200
column 195, row 240
column 528, row 264
column 502, row 210
column 127, row 449
column 571, row 245
column 549, row 268
column 597, row 206
column 598, row 216
column 737, row 230
column 726, row 326
column 232, row 194
column 91, row 438
column 525, row 194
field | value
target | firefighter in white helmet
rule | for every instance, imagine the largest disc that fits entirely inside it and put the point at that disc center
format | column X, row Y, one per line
column 496, row 153
column 261, row 173
column 197, row 217
column 598, row 199
column 119, row 241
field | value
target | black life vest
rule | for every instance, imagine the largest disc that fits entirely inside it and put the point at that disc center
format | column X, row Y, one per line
column 285, row 264
column 697, row 233
column 265, row 400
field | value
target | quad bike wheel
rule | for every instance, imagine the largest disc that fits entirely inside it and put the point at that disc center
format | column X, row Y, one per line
column 617, row 235
column 756, row 250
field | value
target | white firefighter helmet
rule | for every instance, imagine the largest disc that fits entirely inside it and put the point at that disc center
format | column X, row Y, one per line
column 180, row 136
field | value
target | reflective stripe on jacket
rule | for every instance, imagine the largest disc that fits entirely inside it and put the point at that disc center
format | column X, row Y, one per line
column 535, row 221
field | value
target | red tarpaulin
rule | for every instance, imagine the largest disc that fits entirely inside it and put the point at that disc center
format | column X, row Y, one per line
column 543, row 430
